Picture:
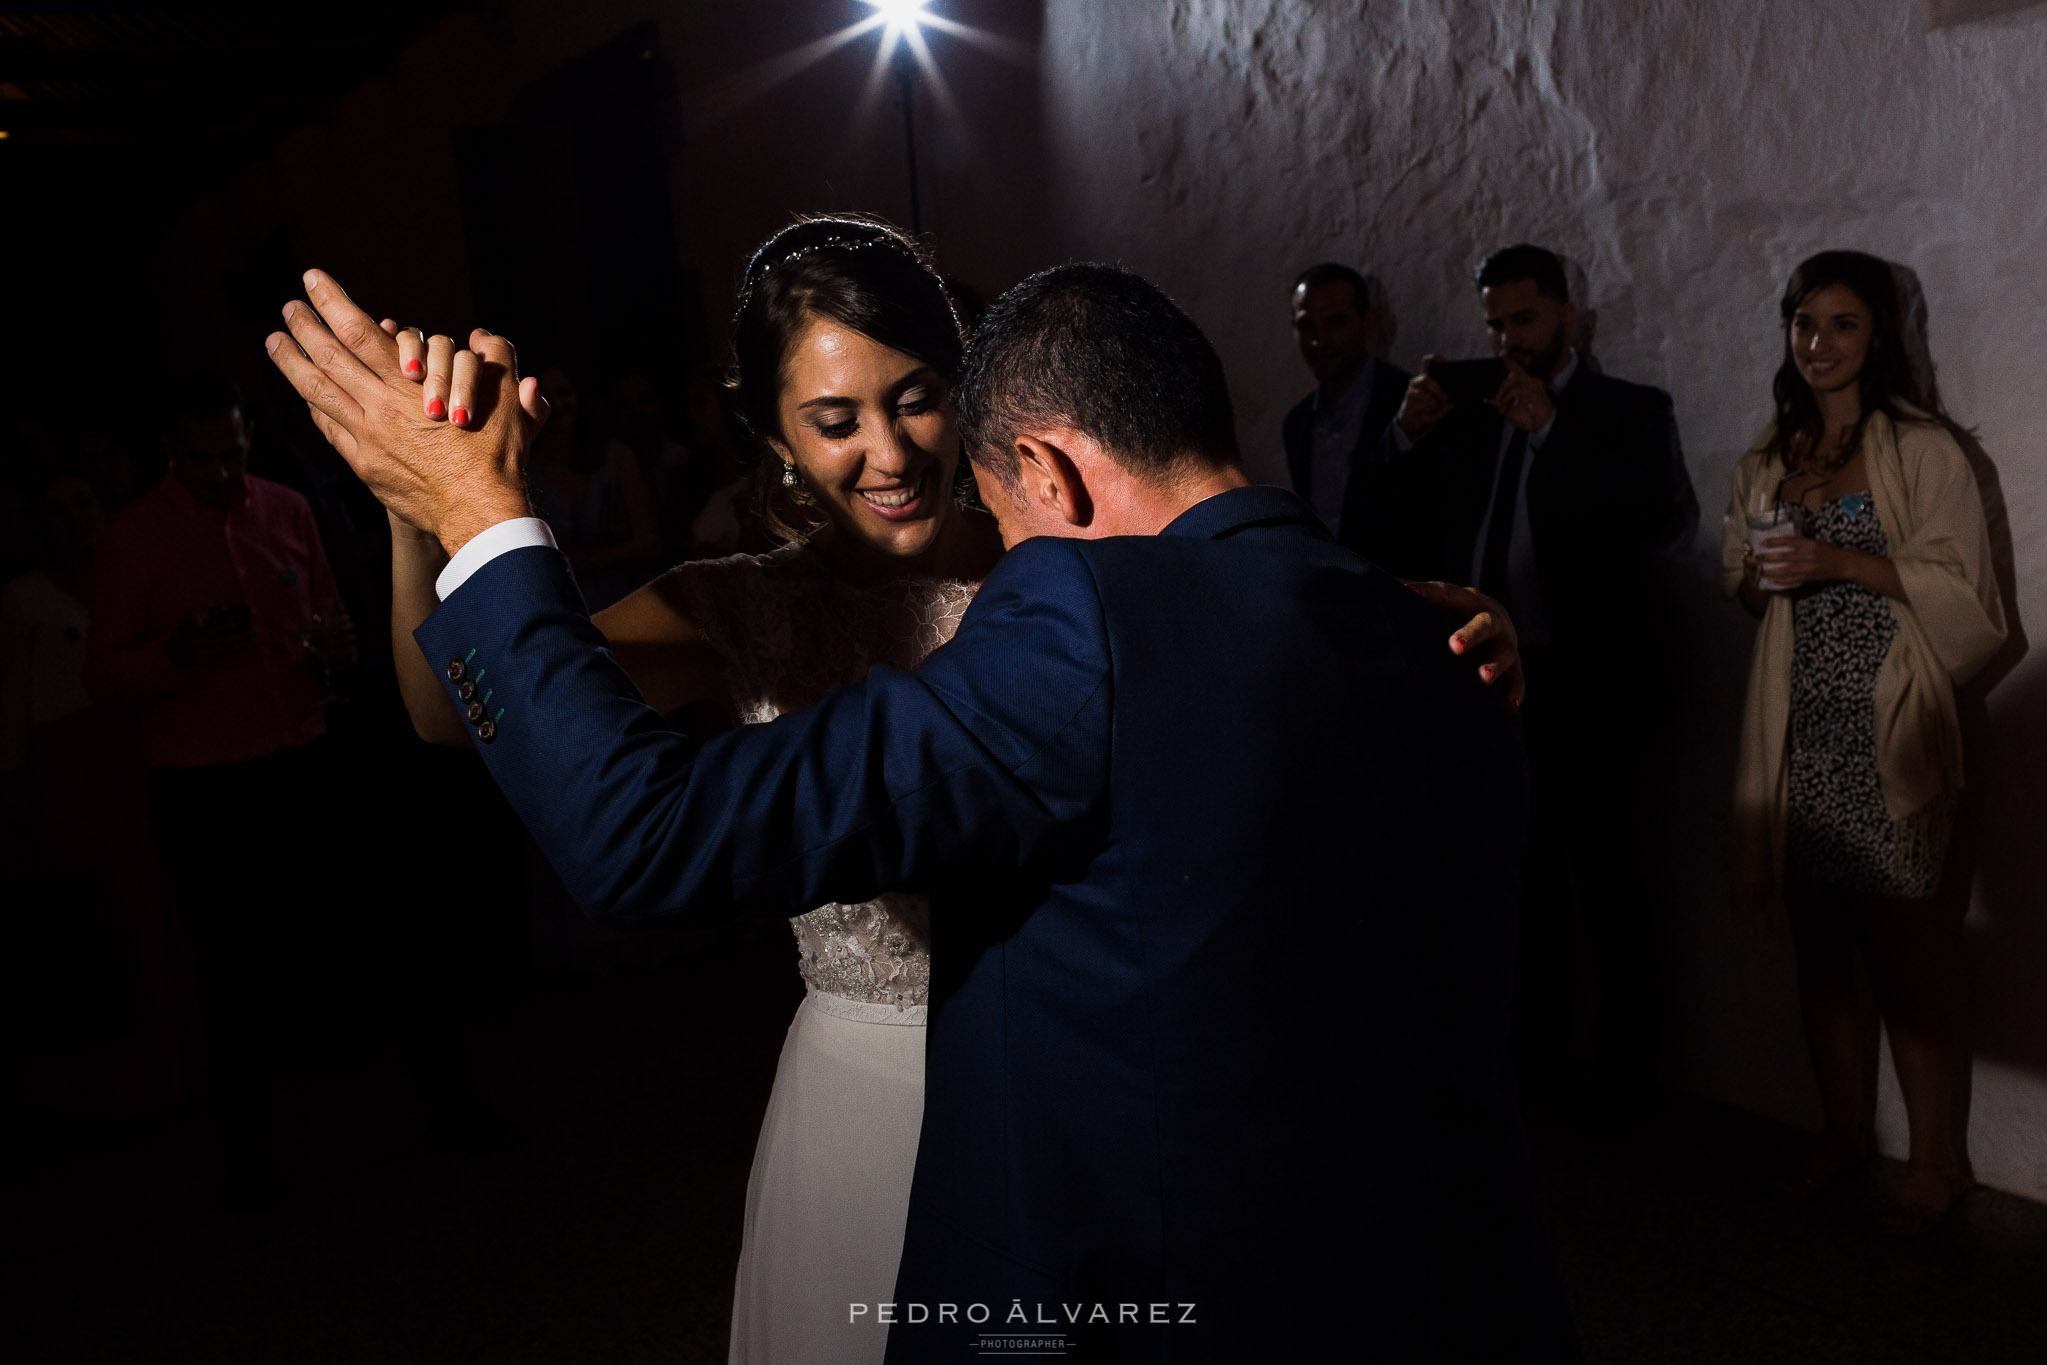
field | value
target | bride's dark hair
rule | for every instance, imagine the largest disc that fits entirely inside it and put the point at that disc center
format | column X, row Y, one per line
column 860, row 272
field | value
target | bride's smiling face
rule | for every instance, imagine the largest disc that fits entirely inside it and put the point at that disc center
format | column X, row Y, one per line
column 872, row 434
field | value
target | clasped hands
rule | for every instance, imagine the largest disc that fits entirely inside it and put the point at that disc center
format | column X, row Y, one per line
column 439, row 434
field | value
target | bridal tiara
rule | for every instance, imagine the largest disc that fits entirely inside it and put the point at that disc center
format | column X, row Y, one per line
column 828, row 244
column 810, row 249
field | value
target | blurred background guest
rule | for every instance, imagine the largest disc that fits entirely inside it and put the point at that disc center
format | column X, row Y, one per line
column 1333, row 435
column 19, row 532
column 103, row 999
column 61, row 808
column 41, row 679
column 107, row 463
column 213, row 612
column 636, row 416
column 719, row 519
column 594, row 494
column 1870, row 568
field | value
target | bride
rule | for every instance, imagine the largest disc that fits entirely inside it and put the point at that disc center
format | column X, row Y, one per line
column 845, row 346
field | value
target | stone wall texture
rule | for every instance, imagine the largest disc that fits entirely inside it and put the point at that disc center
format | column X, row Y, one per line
column 1683, row 155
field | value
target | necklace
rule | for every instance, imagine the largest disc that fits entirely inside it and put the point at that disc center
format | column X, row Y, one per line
column 1844, row 451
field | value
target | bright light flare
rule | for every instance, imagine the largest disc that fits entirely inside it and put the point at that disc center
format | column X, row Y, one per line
column 900, row 15
column 903, row 26
column 903, row 22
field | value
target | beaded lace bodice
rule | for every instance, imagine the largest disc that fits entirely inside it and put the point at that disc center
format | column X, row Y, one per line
column 786, row 631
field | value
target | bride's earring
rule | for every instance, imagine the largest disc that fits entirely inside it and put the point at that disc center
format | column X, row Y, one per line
column 789, row 475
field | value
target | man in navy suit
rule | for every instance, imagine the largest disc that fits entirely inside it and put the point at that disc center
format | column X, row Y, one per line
column 1214, row 827
column 1332, row 436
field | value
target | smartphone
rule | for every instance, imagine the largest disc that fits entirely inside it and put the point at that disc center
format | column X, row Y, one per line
column 1469, row 381
column 232, row 619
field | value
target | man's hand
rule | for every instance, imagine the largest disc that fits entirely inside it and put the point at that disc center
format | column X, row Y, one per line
column 202, row 640
column 452, row 475
column 331, row 642
column 1523, row 400
column 1489, row 625
column 1424, row 404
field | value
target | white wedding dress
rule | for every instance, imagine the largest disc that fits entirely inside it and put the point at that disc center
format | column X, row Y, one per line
column 831, row 1174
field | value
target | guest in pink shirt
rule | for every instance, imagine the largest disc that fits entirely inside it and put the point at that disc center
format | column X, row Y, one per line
column 214, row 612
column 214, row 606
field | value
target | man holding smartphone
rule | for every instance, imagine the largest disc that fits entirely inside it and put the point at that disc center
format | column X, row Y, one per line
column 1557, row 489
column 213, row 608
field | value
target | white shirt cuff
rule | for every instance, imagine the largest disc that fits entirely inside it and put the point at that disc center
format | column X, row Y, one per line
column 487, row 545
column 1402, row 442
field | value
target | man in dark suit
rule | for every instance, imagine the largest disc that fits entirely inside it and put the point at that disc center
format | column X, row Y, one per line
column 1331, row 436
column 1213, row 825
column 1561, row 493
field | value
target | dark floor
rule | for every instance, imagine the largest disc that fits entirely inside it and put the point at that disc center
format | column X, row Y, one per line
column 1673, row 1253
column 608, row 1232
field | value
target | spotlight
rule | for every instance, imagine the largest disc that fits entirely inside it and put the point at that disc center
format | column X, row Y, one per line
column 903, row 30
column 902, row 37
column 900, row 14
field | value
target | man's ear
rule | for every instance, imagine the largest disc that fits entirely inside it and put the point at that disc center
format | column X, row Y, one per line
column 1052, row 481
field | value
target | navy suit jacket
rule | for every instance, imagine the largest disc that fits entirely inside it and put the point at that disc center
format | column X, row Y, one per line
column 1379, row 518
column 1219, row 837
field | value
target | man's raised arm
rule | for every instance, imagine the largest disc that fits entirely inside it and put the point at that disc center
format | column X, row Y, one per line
column 988, row 760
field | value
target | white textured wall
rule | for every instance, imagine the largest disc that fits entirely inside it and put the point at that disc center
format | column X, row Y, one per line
column 1683, row 154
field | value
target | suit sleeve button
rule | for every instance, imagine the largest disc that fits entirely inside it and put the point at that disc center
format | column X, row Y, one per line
column 475, row 712
column 467, row 691
column 487, row 731
column 457, row 670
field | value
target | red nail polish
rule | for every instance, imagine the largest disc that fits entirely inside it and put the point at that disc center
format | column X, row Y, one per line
column 412, row 367
column 461, row 417
column 435, row 407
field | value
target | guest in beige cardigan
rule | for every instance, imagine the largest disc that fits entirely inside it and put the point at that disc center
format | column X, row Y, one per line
column 1876, row 603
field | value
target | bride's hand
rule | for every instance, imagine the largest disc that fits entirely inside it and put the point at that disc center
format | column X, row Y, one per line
column 1489, row 624
column 429, row 361
column 412, row 349
column 446, row 375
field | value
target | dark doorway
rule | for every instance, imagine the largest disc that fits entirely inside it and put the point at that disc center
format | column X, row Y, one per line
column 571, row 233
